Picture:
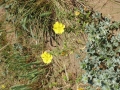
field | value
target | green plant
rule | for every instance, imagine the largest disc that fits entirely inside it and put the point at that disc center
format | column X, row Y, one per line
column 33, row 22
column 20, row 87
column 31, row 18
column 102, row 63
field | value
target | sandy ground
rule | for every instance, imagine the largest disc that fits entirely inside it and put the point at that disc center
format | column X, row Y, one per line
column 109, row 8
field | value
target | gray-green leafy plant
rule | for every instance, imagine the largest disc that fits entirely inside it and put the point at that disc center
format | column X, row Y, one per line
column 102, row 62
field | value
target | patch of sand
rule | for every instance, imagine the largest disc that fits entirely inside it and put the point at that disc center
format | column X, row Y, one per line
column 109, row 8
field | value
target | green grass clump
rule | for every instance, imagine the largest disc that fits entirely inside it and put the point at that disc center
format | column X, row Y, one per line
column 32, row 22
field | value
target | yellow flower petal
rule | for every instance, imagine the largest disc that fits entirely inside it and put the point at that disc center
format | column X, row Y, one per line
column 2, row 86
column 80, row 89
column 58, row 28
column 77, row 13
column 46, row 57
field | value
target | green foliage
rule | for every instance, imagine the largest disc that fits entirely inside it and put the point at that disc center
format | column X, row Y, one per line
column 20, row 87
column 25, row 66
column 33, row 21
column 102, row 63
column 30, row 17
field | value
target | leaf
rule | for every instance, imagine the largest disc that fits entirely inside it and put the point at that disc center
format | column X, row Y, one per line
column 23, row 22
column 106, row 88
column 20, row 87
column 45, row 14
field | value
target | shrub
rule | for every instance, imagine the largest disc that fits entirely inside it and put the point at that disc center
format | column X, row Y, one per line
column 102, row 62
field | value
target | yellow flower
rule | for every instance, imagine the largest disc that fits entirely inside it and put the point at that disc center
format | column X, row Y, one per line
column 58, row 28
column 2, row 86
column 46, row 57
column 77, row 13
column 80, row 89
